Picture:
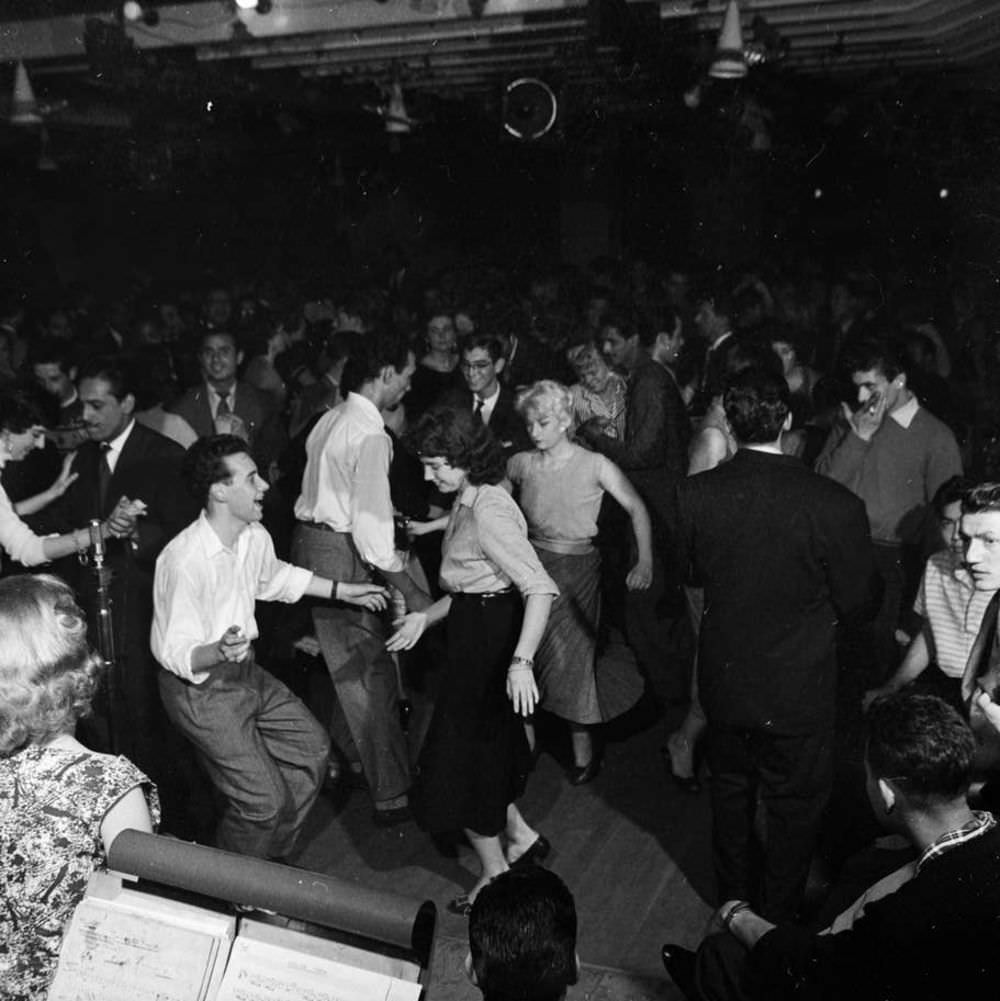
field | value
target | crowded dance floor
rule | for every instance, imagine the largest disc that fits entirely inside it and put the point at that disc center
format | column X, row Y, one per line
column 563, row 489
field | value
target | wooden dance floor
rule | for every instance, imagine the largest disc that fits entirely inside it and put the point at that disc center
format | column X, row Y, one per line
column 632, row 847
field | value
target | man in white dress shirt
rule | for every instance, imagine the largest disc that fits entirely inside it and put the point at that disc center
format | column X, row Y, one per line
column 346, row 531
column 264, row 752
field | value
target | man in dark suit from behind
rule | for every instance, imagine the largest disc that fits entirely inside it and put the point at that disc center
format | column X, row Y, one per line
column 223, row 404
column 124, row 459
column 481, row 364
column 782, row 554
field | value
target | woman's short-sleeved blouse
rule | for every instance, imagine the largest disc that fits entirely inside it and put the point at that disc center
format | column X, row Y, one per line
column 52, row 804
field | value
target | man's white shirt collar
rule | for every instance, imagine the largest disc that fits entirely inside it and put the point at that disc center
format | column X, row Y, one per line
column 115, row 446
column 904, row 415
column 366, row 410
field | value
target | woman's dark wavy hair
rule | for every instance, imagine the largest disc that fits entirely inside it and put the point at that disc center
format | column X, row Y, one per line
column 48, row 673
column 462, row 440
column 20, row 411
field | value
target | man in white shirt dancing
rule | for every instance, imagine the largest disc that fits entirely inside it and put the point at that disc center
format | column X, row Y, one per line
column 264, row 752
column 346, row 530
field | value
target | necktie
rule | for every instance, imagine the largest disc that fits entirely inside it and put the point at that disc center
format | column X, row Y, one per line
column 103, row 478
column 223, row 410
column 479, row 410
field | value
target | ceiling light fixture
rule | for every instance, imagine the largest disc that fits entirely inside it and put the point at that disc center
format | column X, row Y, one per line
column 729, row 62
column 258, row 6
column 24, row 108
column 135, row 10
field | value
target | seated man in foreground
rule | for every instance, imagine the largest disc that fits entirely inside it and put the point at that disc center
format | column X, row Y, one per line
column 522, row 937
column 937, row 930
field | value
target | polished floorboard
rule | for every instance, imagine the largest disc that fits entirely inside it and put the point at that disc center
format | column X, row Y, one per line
column 632, row 847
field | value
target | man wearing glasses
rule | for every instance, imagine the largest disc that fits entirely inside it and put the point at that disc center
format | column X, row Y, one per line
column 482, row 362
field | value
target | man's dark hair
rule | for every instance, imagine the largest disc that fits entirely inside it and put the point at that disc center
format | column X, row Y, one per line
column 206, row 332
column 657, row 318
column 981, row 497
column 953, row 489
column 717, row 290
column 485, row 340
column 372, row 353
column 462, row 440
column 522, row 936
column 736, row 354
column 756, row 404
column 112, row 369
column 872, row 354
column 618, row 317
column 203, row 464
column 52, row 351
column 922, row 743
column 19, row 412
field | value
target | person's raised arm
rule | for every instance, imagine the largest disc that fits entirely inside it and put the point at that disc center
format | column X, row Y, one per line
column 32, row 505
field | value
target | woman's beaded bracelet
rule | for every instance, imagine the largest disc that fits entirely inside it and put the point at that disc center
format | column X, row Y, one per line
column 523, row 664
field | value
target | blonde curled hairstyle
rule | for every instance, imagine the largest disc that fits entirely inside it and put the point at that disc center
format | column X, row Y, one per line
column 549, row 398
column 48, row 673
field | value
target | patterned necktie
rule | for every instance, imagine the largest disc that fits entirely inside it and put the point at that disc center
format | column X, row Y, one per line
column 223, row 410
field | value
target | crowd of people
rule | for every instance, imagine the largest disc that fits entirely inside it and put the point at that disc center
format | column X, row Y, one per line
column 567, row 474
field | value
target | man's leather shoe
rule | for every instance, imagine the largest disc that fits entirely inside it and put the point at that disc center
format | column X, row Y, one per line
column 679, row 963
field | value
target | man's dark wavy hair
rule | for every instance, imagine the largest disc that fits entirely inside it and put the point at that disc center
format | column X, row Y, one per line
column 922, row 743
column 370, row 354
column 756, row 403
column 462, row 440
column 981, row 497
column 203, row 464
column 522, row 936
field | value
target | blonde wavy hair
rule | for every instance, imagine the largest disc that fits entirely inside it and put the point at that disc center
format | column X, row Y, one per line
column 48, row 673
column 546, row 397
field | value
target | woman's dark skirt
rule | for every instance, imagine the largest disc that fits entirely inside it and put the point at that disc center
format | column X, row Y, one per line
column 475, row 759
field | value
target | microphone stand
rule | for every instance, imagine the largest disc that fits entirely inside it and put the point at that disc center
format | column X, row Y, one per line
column 105, row 627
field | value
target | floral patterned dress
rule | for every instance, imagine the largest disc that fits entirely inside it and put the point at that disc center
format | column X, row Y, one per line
column 52, row 803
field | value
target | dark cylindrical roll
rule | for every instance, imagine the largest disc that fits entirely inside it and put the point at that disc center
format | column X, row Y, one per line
column 403, row 922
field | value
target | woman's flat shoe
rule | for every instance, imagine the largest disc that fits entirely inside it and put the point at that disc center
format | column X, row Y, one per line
column 580, row 775
column 461, row 906
column 536, row 852
column 688, row 783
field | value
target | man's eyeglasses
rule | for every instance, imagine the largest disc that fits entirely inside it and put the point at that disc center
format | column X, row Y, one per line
column 476, row 366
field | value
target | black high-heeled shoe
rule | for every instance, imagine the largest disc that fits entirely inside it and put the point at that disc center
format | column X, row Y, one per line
column 536, row 853
column 680, row 965
column 687, row 783
column 580, row 775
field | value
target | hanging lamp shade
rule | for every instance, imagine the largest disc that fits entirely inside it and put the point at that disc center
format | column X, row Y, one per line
column 729, row 62
column 397, row 121
column 23, row 108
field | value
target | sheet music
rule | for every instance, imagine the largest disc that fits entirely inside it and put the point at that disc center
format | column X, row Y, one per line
column 116, row 955
column 260, row 971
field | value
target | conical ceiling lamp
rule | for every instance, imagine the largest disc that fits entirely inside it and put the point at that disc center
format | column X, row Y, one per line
column 397, row 121
column 23, row 108
column 729, row 62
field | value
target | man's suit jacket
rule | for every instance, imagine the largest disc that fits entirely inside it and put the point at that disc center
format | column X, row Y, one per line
column 253, row 407
column 654, row 453
column 505, row 422
column 782, row 553
column 148, row 469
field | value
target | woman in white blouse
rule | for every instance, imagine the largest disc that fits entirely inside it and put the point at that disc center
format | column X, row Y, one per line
column 475, row 760
column 21, row 432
